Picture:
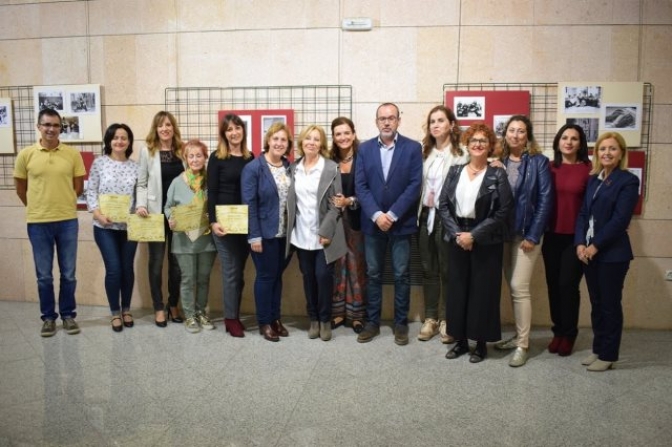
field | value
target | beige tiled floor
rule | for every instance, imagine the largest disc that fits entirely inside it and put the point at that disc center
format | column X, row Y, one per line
column 149, row 386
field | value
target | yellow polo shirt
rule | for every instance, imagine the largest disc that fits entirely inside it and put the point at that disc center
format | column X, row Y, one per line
column 50, row 173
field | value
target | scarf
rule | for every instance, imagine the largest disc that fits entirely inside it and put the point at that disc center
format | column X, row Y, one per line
column 196, row 182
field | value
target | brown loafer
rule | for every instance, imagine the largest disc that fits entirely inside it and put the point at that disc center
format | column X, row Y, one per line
column 269, row 334
column 279, row 328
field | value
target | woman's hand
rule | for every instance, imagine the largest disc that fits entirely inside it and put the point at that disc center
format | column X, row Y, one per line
column 497, row 163
column 465, row 241
column 217, row 229
column 527, row 246
column 324, row 241
column 340, row 201
column 171, row 223
column 101, row 218
column 589, row 253
column 256, row 247
column 581, row 253
column 141, row 211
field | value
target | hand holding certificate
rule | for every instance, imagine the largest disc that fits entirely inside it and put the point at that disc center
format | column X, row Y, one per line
column 115, row 207
column 232, row 218
column 189, row 217
column 146, row 229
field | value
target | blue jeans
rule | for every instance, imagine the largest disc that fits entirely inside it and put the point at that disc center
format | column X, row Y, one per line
column 270, row 264
column 43, row 237
column 118, row 255
column 375, row 247
column 318, row 283
column 233, row 251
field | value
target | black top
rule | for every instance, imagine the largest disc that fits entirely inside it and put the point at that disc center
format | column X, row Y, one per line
column 224, row 182
column 171, row 167
column 348, row 182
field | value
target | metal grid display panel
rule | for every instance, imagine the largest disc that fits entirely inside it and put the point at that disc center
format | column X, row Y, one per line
column 24, row 120
column 196, row 108
column 543, row 112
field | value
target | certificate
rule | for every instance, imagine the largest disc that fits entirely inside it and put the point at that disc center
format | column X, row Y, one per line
column 146, row 229
column 189, row 217
column 232, row 218
column 115, row 206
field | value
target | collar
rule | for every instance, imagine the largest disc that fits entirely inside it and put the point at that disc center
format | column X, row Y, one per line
column 382, row 145
column 42, row 148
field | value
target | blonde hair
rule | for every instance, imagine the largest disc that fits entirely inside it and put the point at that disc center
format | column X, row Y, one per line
column 622, row 163
column 324, row 150
column 152, row 139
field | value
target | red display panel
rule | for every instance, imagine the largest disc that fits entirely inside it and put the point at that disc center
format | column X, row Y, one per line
column 87, row 158
column 493, row 108
column 257, row 123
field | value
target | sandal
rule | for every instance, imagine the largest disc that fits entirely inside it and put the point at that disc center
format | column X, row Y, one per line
column 357, row 326
column 128, row 319
column 337, row 322
column 114, row 327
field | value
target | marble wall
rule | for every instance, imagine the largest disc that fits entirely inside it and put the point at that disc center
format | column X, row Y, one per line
column 137, row 48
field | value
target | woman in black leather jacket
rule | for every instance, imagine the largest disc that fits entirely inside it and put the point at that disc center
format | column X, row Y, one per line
column 474, row 206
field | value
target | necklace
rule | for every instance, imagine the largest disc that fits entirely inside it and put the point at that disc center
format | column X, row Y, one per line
column 348, row 159
column 476, row 171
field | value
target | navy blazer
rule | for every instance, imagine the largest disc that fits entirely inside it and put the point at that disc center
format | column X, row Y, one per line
column 260, row 194
column 399, row 193
column 494, row 207
column 611, row 203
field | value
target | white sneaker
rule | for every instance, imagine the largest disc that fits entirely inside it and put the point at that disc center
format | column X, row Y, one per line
column 205, row 322
column 429, row 329
column 446, row 339
column 191, row 325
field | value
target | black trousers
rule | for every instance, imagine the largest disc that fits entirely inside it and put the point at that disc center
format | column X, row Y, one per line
column 563, row 277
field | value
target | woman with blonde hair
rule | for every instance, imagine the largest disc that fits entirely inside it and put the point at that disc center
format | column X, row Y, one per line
column 603, row 245
column 314, row 225
column 225, row 169
column 160, row 162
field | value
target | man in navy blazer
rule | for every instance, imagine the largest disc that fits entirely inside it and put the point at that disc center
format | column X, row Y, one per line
column 388, row 181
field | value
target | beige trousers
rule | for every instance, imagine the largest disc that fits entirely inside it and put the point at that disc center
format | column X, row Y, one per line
column 518, row 267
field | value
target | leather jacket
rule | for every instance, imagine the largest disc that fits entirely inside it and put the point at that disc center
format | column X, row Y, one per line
column 533, row 197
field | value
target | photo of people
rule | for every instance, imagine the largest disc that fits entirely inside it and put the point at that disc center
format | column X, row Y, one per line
column 590, row 126
column 268, row 120
column 620, row 116
column 4, row 116
column 70, row 129
column 469, row 107
column 51, row 100
column 498, row 123
column 583, row 99
column 83, row 102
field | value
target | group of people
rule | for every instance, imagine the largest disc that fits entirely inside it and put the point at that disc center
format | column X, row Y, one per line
column 478, row 217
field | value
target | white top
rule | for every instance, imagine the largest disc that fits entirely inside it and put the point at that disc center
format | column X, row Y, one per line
column 467, row 192
column 305, row 232
column 434, row 180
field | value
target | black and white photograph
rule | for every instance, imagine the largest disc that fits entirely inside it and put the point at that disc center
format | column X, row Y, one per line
column 70, row 129
column 590, row 126
column 469, row 107
column 498, row 123
column 586, row 99
column 83, row 102
column 50, row 100
column 267, row 121
column 5, row 117
column 621, row 116
column 247, row 120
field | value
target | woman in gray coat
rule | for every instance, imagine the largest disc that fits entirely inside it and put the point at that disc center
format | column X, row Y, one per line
column 314, row 225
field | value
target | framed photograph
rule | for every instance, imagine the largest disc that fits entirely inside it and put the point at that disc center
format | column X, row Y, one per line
column 583, row 99
column 50, row 100
column 83, row 102
column 469, row 107
column 70, row 128
column 6, row 127
column 621, row 117
column 79, row 107
column 590, row 126
column 267, row 121
column 247, row 119
column 498, row 123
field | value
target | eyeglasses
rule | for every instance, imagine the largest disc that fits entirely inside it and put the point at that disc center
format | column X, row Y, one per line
column 50, row 126
column 387, row 119
column 481, row 141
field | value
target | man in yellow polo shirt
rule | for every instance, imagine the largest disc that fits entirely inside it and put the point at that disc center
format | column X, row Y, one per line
column 48, row 177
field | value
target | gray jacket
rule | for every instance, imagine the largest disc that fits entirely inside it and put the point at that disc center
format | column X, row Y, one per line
column 330, row 217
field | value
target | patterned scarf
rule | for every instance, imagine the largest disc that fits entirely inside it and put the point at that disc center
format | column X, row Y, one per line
column 196, row 182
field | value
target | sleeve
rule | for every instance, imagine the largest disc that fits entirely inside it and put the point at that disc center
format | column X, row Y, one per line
column 213, row 183
column 78, row 169
column 328, row 225
column 143, row 175
column 624, row 207
column 450, row 227
column 20, row 170
column 249, row 186
column 544, row 200
column 170, row 198
column 496, row 222
column 408, row 199
column 94, row 185
column 364, row 196
column 583, row 216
